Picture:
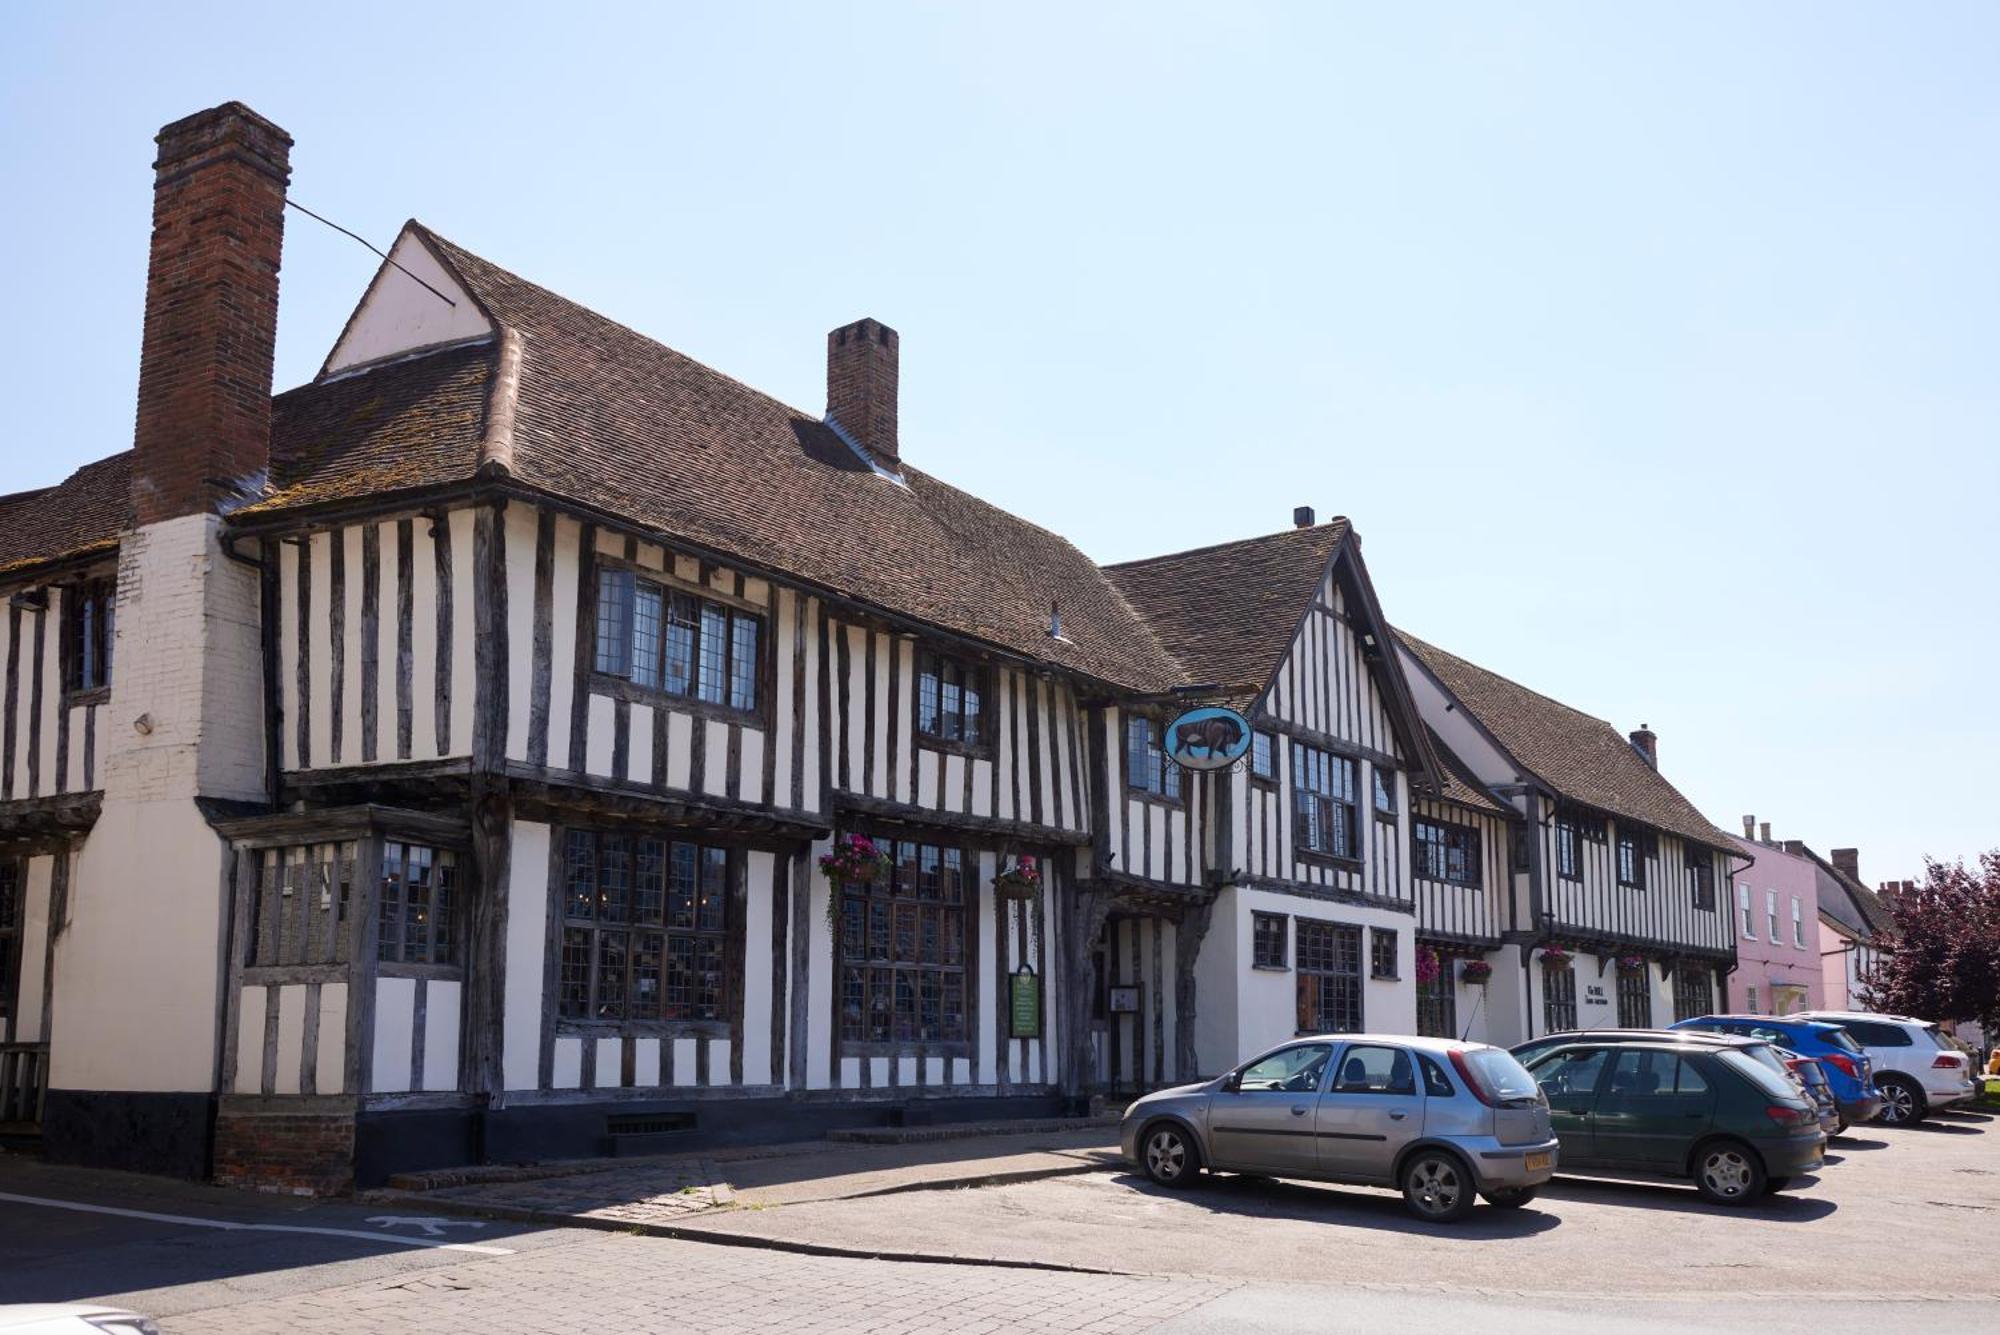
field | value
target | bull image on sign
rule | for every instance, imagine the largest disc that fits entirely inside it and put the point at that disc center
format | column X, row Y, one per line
column 1208, row 738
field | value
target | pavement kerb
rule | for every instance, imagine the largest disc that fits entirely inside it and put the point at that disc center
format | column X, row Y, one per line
column 687, row 1233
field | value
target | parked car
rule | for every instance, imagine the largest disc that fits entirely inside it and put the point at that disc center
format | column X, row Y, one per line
column 1813, row 1076
column 1678, row 1109
column 1847, row 1067
column 72, row 1319
column 1441, row 1121
column 1917, row 1069
column 1757, row 1049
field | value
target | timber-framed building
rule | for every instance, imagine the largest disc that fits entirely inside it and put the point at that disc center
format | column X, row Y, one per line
column 432, row 764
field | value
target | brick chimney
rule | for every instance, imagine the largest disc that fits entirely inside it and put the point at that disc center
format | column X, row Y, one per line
column 1302, row 516
column 1750, row 828
column 1846, row 861
column 1647, row 744
column 861, row 386
column 204, row 424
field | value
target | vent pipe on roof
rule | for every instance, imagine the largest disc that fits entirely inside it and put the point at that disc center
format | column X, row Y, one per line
column 1302, row 516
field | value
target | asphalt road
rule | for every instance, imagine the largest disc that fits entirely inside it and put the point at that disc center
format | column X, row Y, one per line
column 1900, row 1232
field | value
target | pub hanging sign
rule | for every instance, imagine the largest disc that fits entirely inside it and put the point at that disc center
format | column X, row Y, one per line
column 1024, row 1009
column 1207, row 738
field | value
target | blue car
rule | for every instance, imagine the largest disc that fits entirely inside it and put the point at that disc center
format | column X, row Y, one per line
column 1847, row 1067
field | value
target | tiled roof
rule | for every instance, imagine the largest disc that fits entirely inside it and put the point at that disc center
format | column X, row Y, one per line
column 1846, row 899
column 1228, row 613
column 609, row 418
column 1457, row 783
column 1583, row 758
column 412, row 424
column 84, row 512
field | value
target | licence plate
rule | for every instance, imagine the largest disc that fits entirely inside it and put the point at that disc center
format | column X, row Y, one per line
column 1534, row 1161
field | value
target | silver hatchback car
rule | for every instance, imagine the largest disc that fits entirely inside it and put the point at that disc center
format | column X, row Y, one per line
column 1441, row 1121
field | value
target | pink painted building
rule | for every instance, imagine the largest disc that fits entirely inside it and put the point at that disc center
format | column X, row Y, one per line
column 1776, row 907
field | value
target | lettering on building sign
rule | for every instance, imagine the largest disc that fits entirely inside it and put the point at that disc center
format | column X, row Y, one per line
column 1025, row 1012
column 1594, row 993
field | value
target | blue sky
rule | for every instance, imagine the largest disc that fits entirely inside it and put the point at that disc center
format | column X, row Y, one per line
column 1650, row 349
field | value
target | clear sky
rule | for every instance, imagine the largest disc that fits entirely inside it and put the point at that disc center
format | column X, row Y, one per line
column 1650, row 349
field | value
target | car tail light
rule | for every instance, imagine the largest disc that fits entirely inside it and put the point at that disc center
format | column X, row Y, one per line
column 1947, row 1061
column 1472, row 1082
column 1842, row 1062
column 1784, row 1116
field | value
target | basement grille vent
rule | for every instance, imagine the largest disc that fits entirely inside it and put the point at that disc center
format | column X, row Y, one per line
column 648, row 1124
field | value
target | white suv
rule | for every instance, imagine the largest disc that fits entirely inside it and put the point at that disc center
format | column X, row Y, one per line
column 1916, row 1067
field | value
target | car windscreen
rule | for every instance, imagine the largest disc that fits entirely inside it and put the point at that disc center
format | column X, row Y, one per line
column 1773, row 1084
column 1504, row 1077
column 1764, row 1055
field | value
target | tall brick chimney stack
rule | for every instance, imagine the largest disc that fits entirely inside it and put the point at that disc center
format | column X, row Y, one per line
column 861, row 385
column 1647, row 743
column 204, row 422
column 1847, row 861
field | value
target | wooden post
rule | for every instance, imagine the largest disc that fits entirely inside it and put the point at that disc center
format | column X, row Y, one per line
column 1089, row 906
column 1187, row 946
column 486, row 951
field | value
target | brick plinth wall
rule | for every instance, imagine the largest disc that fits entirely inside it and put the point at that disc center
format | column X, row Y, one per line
column 204, row 423
column 303, row 1151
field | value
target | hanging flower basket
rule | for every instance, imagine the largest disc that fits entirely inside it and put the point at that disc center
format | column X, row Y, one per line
column 1555, row 957
column 855, row 860
column 1428, row 965
column 1021, row 880
column 1476, row 972
column 1631, row 963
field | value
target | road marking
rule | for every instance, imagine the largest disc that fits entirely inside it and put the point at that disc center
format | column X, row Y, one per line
column 231, row 1225
column 433, row 1225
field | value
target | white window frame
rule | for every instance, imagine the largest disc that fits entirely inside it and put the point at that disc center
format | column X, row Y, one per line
column 1771, row 914
column 1749, row 925
column 1798, row 924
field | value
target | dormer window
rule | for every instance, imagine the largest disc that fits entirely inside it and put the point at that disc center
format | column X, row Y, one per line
column 950, row 700
column 677, row 643
column 87, row 633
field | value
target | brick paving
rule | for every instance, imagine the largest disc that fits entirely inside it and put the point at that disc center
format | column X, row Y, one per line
column 609, row 1282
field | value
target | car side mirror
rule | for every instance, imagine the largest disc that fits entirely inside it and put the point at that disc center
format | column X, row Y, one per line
column 1232, row 1082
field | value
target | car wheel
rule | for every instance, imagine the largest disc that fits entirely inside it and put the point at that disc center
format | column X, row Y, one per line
column 1728, row 1172
column 1510, row 1198
column 1438, row 1187
column 1169, row 1155
column 1902, row 1102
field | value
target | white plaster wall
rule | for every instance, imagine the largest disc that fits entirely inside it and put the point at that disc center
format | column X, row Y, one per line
column 29, row 1026
column 291, row 1038
column 250, row 1042
column 138, row 971
column 527, row 943
column 330, row 1071
column 395, row 1026
column 757, row 970
column 398, row 315
column 442, row 1004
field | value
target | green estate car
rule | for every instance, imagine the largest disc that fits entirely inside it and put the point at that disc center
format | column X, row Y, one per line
column 1669, row 1109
